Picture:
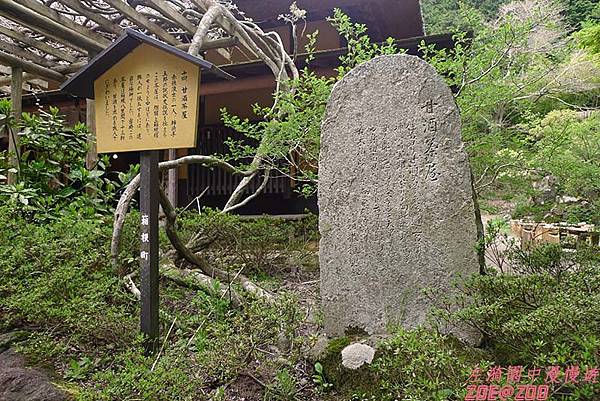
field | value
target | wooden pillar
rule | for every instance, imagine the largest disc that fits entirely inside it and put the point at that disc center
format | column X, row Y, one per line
column 90, row 120
column 172, row 180
column 16, row 99
column 149, row 199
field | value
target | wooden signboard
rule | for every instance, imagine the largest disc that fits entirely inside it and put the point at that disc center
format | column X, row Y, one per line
column 148, row 101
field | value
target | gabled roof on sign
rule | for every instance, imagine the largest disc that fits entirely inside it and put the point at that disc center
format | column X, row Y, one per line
column 82, row 83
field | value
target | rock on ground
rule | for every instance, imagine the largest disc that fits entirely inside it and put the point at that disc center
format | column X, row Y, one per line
column 356, row 355
column 19, row 383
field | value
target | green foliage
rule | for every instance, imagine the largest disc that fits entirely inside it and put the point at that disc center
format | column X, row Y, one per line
column 419, row 365
column 360, row 48
column 286, row 136
column 423, row 365
column 284, row 387
column 131, row 376
column 578, row 11
column 58, row 285
column 513, row 71
column 568, row 147
column 588, row 38
column 541, row 310
column 289, row 131
column 320, row 379
column 210, row 347
column 444, row 16
column 56, row 279
column 52, row 176
column 78, row 369
column 260, row 244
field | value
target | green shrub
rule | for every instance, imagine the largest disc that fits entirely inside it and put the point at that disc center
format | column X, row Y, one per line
column 52, row 178
column 542, row 310
column 419, row 365
column 423, row 365
column 259, row 243
column 568, row 147
column 131, row 377
column 210, row 346
column 57, row 284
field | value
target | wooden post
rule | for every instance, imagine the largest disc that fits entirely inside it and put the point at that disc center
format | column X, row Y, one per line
column 149, row 199
column 90, row 120
column 172, row 180
column 16, row 99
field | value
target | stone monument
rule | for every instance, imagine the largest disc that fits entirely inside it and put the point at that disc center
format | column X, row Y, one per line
column 396, row 207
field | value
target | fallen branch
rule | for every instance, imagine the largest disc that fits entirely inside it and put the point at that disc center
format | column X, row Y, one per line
column 199, row 261
column 198, row 280
column 131, row 285
column 134, row 184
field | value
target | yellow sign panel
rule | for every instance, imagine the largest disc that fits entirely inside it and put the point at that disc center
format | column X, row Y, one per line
column 147, row 101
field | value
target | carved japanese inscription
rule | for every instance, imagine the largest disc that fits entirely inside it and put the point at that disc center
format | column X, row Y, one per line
column 396, row 208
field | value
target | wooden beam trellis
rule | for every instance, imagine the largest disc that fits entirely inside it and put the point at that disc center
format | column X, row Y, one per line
column 18, row 51
column 38, row 70
column 96, row 40
column 38, row 44
column 214, row 44
column 7, row 80
column 28, row 76
column 131, row 14
column 171, row 13
column 103, row 22
column 57, row 25
column 45, row 26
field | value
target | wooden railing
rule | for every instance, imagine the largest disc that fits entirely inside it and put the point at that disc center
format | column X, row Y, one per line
column 211, row 140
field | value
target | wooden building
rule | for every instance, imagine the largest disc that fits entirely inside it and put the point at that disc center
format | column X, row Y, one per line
column 254, row 83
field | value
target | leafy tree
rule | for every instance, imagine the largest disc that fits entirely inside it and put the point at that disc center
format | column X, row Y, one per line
column 443, row 16
column 289, row 131
column 578, row 11
column 517, row 68
column 567, row 146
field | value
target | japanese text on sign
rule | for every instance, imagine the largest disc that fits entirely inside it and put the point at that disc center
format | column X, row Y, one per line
column 149, row 100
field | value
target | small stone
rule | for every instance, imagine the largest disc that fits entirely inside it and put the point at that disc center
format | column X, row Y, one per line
column 357, row 354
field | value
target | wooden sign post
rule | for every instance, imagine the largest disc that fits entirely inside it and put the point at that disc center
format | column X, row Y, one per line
column 149, row 245
column 146, row 99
